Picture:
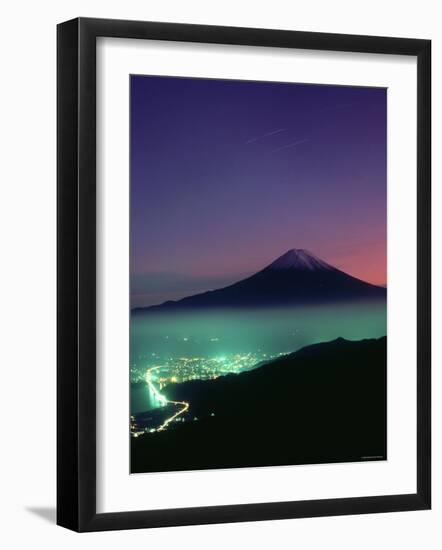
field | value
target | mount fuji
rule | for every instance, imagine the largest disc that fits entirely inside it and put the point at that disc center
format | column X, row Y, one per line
column 298, row 277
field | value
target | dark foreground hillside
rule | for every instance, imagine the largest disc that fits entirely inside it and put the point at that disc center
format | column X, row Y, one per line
column 324, row 403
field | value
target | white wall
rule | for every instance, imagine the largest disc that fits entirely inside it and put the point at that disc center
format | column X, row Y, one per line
column 27, row 289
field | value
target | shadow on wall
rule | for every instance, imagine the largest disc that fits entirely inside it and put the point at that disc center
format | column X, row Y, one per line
column 46, row 513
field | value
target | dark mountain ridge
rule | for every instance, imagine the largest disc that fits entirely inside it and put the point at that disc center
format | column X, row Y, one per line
column 323, row 403
column 296, row 277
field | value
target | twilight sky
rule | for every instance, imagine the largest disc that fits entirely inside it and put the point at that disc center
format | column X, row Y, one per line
column 228, row 175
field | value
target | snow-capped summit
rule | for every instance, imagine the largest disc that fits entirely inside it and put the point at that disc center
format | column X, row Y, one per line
column 298, row 277
column 298, row 258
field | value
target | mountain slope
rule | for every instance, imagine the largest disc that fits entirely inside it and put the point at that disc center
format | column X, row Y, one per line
column 296, row 277
column 324, row 403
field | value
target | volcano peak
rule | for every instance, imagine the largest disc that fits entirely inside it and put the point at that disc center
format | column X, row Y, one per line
column 301, row 259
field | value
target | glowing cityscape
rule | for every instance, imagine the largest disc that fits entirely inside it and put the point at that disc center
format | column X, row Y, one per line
column 257, row 273
column 157, row 374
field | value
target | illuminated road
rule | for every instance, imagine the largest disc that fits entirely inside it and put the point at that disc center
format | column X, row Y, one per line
column 164, row 401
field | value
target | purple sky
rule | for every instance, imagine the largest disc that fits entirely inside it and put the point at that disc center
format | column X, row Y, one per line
column 228, row 175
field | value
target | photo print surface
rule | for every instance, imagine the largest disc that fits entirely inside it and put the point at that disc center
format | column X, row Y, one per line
column 258, row 273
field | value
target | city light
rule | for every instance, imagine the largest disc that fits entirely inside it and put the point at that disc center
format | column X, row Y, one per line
column 176, row 370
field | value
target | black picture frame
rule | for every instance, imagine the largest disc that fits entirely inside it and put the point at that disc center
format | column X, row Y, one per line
column 76, row 274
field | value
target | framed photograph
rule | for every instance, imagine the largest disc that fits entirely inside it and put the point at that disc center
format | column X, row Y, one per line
column 243, row 274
